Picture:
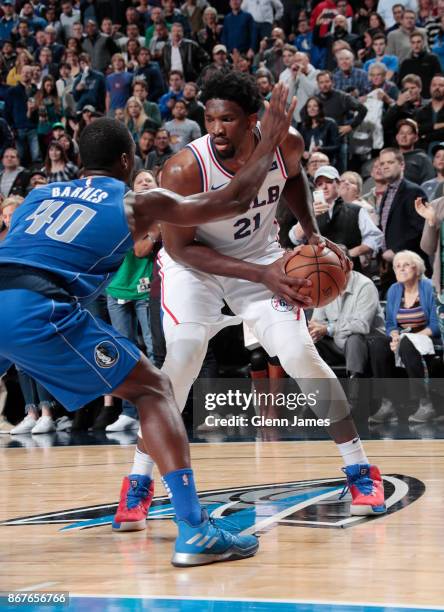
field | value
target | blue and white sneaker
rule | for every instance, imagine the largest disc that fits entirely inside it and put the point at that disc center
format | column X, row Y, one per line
column 208, row 543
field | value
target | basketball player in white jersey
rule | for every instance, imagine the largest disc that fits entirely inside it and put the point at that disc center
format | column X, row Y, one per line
column 239, row 261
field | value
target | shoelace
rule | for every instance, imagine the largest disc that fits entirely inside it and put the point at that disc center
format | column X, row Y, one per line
column 364, row 484
column 135, row 495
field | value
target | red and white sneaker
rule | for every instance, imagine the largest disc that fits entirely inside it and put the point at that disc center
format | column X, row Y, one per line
column 136, row 496
column 367, row 489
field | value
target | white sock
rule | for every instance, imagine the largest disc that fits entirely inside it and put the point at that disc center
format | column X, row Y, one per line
column 353, row 452
column 143, row 464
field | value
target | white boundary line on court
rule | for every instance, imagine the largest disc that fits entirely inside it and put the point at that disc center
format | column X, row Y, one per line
column 315, row 602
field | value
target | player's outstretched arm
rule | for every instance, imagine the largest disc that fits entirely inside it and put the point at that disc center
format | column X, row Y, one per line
column 235, row 198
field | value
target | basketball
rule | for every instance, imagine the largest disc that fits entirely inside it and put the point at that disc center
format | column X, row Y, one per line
column 323, row 269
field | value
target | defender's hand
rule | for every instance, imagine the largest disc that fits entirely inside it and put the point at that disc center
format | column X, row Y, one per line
column 286, row 287
column 276, row 121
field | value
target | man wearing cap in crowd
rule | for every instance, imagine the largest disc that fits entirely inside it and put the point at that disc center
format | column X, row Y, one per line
column 220, row 64
column 9, row 20
column 418, row 166
column 343, row 223
column 434, row 188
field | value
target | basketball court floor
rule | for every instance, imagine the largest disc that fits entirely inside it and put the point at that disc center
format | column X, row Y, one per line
column 57, row 504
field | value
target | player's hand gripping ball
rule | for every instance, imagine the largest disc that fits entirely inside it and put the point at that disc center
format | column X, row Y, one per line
column 327, row 273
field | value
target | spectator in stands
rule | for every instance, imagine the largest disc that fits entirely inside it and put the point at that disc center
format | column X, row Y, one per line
column 140, row 91
column 398, row 41
column 6, row 137
column 420, row 62
column 89, row 86
column 184, row 55
column 68, row 18
column 24, row 38
column 271, row 53
column 13, row 178
column 49, row 99
column 145, row 145
column 128, row 297
column 409, row 101
column 391, row 62
column 195, row 109
column 57, row 167
column 158, row 41
column 8, row 206
column 118, row 85
column 210, row 35
column 135, row 118
column 347, row 224
column 340, row 33
column 315, row 160
column 350, row 190
column 37, row 179
column 23, row 58
column 108, row 29
column 132, row 33
column 348, row 78
column 340, row 330
column 418, row 167
column 239, row 31
column 430, row 117
column 320, row 133
column 156, row 17
column 399, row 221
column 264, row 13
column 438, row 44
column 386, row 90
column 397, row 11
column 172, row 15
column 344, row 109
column 22, row 116
column 377, row 190
column 100, row 48
column 51, row 16
column 9, row 21
column 300, row 78
column 411, row 324
column 46, row 63
column 162, row 151
column 64, row 87
column 193, row 10
column 434, row 187
column 265, row 83
column 219, row 64
column 433, row 27
column 70, row 146
column 9, row 55
column 176, row 85
column 56, row 49
column 181, row 129
column 131, row 54
column 151, row 73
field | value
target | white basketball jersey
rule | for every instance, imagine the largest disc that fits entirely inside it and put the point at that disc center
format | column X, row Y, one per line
column 247, row 234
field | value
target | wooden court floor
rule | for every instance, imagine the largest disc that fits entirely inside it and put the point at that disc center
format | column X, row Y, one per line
column 397, row 559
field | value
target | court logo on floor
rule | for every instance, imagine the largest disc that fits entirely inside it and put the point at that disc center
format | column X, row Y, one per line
column 255, row 508
column 106, row 354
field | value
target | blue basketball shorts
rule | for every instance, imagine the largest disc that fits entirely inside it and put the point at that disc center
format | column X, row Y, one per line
column 76, row 357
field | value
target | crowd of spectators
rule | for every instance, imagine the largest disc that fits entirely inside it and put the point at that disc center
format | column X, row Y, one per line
column 369, row 80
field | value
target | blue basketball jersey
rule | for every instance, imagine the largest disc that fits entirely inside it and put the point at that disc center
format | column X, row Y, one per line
column 77, row 230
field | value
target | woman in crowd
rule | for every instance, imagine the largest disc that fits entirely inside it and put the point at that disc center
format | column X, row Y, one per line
column 210, row 35
column 24, row 58
column 131, row 53
column 128, row 296
column 320, row 133
column 72, row 57
column 73, row 45
column 48, row 98
column 136, row 119
column 411, row 327
column 57, row 165
column 71, row 148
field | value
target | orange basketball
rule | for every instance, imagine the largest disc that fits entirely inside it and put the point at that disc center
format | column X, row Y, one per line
column 323, row 269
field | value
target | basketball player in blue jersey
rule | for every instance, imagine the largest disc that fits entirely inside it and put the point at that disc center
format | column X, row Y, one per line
column 239, row 261
column 64, row 242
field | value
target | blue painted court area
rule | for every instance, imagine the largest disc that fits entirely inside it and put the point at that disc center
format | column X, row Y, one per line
column 126, row 604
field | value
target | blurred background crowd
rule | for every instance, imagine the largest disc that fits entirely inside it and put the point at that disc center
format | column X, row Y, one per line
column 369, row 80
